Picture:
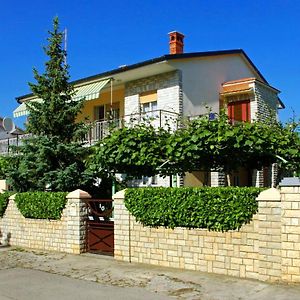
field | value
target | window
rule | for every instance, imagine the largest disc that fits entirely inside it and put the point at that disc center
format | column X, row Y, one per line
column 107, row 111
column 154, row 180
column 149, row 107
column 145, row 180
column 148, row 101
column 239, row 111
column 99, row 113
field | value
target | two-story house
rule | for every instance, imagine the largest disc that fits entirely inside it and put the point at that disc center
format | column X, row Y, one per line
column 173, row 85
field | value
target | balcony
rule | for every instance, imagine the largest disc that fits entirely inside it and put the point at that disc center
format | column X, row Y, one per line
column 157, row 118
column 5, row 144
column 99, row 130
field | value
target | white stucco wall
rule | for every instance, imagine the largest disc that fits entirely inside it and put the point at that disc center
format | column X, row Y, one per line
column 202, row 79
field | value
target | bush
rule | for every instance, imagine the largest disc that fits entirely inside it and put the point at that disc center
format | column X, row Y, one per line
column 41, row 205
column 3, row 202
column 217, row 209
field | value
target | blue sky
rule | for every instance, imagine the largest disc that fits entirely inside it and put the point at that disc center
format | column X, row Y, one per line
column 103, row 35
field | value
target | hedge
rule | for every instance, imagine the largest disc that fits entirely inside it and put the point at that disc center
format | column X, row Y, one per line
column 214, row 208
column 41, row 205
column 3, row 202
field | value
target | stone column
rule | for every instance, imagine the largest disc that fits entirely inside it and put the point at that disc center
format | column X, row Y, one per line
column 290, row 229
column 121, row 228
column 76, row 221
column 269, row 228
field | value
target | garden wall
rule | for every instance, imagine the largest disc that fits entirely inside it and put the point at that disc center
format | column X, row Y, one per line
column 64, row 235
column 266, row 249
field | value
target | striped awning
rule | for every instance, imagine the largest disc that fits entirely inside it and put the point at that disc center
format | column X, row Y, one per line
column 87, row 92
column 21, row 110
column 90, row 91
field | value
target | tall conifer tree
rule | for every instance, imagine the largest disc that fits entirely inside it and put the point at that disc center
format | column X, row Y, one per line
column 53, row 157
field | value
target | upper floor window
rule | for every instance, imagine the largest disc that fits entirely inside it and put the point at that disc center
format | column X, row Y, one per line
column 239, row 111
column 148, row 107
column 148, row 102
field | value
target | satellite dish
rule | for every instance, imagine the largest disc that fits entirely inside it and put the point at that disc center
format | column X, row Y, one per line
column 8, row 125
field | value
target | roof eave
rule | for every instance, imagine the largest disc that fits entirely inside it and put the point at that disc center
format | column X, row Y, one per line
column 166, row 57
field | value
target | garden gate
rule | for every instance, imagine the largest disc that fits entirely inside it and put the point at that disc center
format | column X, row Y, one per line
column 100, row 226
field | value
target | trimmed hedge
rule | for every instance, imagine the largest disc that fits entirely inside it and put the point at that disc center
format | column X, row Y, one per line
column 4, row 201
column 41, row 205
column 214, row 208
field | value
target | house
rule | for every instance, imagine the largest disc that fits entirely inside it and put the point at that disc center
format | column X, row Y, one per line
column 9, row 137
column 177, row 84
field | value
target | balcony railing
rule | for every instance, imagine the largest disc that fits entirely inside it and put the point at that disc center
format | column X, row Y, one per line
column 99, row 130
column 5, row 144
column 157, row 118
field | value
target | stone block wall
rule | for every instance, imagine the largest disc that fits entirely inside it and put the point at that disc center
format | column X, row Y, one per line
column 64, row 235
column 266, row 249
column 167, row 85
column 266, row 101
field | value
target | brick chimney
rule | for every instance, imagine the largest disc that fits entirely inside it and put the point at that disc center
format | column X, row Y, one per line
column 176, row 42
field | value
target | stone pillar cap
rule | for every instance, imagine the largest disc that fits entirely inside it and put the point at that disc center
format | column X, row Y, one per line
column 78, row 194
column 119, row 195
column 271, row 194
column 290, row 181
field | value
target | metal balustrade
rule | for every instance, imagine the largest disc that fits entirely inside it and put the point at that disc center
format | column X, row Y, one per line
column 157, row 118
column 100, row 129
column 6, row 144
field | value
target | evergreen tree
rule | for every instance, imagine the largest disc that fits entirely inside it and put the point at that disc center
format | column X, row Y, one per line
column 52, row 158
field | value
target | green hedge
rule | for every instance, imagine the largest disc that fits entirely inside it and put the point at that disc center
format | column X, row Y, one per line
column 41, row 205
column 3, row 202
column 218, row 209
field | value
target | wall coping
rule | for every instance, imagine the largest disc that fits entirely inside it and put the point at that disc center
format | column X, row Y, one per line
column 78, row 194
column 290, row 181
column 271, row 194
column 12, row 197
column 119, row 195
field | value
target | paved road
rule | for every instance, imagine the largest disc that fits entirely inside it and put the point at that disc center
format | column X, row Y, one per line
column 41, row 274
column 26, row 284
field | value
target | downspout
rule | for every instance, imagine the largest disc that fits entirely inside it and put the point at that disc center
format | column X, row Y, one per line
column 111, row 96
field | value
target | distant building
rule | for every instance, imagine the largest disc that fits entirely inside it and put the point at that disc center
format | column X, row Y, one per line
column 7, row 138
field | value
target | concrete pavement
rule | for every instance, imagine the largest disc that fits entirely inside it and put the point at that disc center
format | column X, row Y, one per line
column 120, row 280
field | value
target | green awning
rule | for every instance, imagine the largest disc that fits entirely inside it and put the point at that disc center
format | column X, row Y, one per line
column 88, row 91
column 21, row 110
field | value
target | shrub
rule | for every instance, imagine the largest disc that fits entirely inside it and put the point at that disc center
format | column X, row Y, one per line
column 3, row 202
column 217, row 209
column 41, row 205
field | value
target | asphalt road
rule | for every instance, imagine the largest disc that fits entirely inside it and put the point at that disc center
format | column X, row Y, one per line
column 27, row 274
column 26, row 284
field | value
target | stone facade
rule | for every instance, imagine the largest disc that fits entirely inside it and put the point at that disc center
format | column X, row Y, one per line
column 64, row 235
column 266, row 102
column 266, row 249
column 167, row 85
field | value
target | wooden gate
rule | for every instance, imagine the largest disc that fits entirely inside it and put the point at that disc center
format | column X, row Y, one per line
column 100, row 226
